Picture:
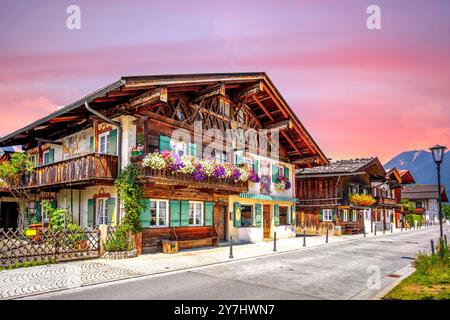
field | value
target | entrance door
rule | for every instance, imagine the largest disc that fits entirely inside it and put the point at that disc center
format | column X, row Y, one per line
column 220, row 221
column 267, row 220
column 8, row 215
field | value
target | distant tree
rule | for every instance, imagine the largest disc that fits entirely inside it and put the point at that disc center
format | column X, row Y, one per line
column 446, row 211
column 13, row 173
column 408, row 205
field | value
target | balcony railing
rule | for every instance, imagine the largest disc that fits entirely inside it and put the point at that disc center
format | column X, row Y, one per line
column 386, row 201
column 168, row 177
column 78, row 170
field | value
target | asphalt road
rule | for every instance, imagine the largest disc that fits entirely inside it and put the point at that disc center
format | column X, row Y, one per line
column 338, row 271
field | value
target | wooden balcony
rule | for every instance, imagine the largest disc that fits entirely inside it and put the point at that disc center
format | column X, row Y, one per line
column 89, row 169
column 177, row 179
column 386, row 201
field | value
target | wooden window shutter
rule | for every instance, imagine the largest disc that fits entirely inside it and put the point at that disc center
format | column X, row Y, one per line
column 38, row 210
column 113, row 142
column 91, row 212
column 91, row 144
column 258, row 214
column 274, row 173
column 256, row 166
column 51, row 155
column 164, row 143
column 320, row 215
column 184, row 213
column 145, row 213
column 175, row 213
column 209, row 213
column 110, row 209
column 237, row 214
column 53, row 204
column 276, row 214
column 192, row 149
column 293, row 216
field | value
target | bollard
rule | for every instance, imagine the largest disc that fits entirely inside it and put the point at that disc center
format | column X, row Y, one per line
column 401, row 227
column 375, row 230
column 384, row 228
column 392, row 228
column 231, row 248
column 304, row 237
column 275, row 241
column 326, row 239
column 432, row 246
column 364, row 230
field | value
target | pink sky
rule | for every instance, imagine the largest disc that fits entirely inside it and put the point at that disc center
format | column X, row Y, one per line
column 359, row 92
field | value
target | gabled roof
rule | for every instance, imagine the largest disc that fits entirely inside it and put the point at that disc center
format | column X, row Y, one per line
column 264, row 100
column 394, row 175
column 372, row 166
column 423, row 192
column 407, row 177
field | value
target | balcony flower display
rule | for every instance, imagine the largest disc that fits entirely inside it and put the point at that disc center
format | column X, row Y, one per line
column 282, row 183
column 362, row 200
column 200, row 169
column 137, row 150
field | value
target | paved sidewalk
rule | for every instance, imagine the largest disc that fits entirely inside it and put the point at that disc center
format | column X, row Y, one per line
column 42, row 279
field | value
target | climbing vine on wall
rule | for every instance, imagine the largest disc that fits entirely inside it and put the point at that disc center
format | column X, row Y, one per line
column 131, row 193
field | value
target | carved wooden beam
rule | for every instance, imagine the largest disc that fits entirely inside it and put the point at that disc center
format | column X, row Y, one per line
column 42, row 140
column 249, row 91
column 306, row 160
column 291, row 142
column 285, row 124
column 218, row 89
column 275, row 100
column 153, row 96
column 263, row 107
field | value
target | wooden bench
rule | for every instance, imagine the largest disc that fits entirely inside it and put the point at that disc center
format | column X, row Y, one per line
column 193, row 237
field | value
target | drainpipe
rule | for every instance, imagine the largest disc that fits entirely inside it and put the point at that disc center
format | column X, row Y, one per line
column 119, row 148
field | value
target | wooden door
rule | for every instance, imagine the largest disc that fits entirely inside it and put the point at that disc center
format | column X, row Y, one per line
column 220, row 219
column 267, row 220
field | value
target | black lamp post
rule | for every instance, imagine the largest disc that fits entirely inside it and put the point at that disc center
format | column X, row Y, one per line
column 438, row 156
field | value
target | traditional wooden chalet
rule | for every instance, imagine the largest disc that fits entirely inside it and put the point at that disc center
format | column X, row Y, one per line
column 425, row 200
column 80, row 149
column 406, row 178
column 338, row 196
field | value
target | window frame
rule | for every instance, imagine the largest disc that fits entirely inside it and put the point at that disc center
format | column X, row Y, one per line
column 107, row 142
column 98, row 214
column 328, row 211
column 174, row 144
column 252, row 205
column 194, row 203
column 288, row 216
column 354, row 215
column 157, row 216
column 34, row 159
column 45, row 153
column 345, row 215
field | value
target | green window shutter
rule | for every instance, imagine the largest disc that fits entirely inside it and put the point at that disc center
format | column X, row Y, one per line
column 293, row 215
column 91, row 144
column 237, row 207
column 258, row 214
column 111, row 209
column 333, row 215
column 90, row 213
column 209, row 213
column 274, row 172
column 164, row 143
column 113, row 142
column 320, row 215
column 38, row 210
column 51, row 155
column 53, row 204
column 175, row 213
column 256, row 166
column 276, row 214
column 286, row 173
column 184, row 213
column 192, row 149
column 145, row 213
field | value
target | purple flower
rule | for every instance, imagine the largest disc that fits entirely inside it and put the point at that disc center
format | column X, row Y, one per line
column 236, row 174
column 219, row 172
column 287, row 185
column 253, row 177
column 199, row 174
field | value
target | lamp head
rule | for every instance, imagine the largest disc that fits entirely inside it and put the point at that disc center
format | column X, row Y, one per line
column 438, row 153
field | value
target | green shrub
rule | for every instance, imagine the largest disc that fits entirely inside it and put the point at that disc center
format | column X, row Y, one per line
column 118, row 241
column 28, row 264
column 414, row 217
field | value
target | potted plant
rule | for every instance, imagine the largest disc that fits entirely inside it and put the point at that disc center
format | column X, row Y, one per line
column 282, row 183
column 137, row 150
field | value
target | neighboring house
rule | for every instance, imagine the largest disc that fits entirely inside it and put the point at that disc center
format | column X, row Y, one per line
column 406, row 178
column 79, row 150
column 324, row 195
column 425, row 200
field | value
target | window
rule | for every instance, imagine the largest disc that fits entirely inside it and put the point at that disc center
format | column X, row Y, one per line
column 158, row 212
column 104, row 142
column 31, row 208
column 46, row 157
column 221, row 157
column 284, row 216
column 418, row 204
column 179, row 147
column 34, row 159
column 102, row 211
column 345, row 215
column 227, row 109
column 195, row 213
column 247, row 215
column 354, row 215
column 327, row 214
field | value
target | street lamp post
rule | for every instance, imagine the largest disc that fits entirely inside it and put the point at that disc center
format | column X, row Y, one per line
column 438, row 156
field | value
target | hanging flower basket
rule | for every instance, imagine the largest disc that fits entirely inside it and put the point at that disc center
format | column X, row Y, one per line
column 282, row 183
column 137, row 151
column 361, row 200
